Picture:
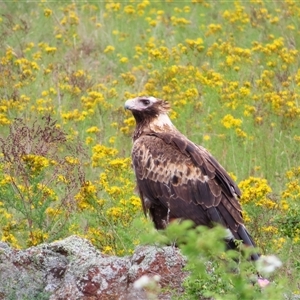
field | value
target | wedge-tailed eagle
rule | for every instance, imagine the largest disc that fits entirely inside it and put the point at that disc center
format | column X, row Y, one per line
column 177, row 179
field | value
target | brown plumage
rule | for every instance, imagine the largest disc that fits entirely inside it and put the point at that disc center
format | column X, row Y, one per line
column 178, row 179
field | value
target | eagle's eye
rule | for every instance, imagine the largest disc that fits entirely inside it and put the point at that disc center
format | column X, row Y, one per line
column 145, row 101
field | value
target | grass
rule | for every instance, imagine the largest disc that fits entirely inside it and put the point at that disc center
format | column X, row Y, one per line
column 230, row 71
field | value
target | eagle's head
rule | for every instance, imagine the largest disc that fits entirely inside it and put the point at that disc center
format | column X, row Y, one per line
column 149, row 111
column 145, row 107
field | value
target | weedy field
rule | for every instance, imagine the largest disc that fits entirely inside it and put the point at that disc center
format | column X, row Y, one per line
column 229, row 69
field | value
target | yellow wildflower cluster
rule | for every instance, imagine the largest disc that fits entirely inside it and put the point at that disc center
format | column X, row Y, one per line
column 101, row 154
column 86, row 195
column 290, row 196
column 256, row 190
column 229, row 121
column 36, row 163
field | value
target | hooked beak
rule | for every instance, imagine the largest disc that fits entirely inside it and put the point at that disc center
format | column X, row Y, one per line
column 129, row 104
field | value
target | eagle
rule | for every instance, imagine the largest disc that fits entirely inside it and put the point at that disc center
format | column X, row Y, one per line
column 178, row 179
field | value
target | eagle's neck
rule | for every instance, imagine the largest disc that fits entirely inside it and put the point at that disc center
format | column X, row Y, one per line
column 159, row 123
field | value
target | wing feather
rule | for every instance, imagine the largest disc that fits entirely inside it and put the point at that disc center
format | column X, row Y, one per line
column 183, row 180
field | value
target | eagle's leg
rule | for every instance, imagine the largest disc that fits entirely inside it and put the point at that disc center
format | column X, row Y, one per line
column 159, row 215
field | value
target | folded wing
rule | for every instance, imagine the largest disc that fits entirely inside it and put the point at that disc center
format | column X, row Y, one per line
column 178, row 179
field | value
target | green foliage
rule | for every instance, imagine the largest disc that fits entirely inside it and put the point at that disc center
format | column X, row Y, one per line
column 213, row 273
column 290, row 224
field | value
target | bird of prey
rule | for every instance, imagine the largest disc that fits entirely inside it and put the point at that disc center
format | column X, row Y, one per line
column 177, row 179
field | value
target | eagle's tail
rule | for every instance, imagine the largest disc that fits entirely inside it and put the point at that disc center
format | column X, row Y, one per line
column 243, row 235
column 240, row 234
column 247, row 240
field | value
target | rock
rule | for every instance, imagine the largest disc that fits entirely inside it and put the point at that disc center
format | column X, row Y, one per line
column 74, row 269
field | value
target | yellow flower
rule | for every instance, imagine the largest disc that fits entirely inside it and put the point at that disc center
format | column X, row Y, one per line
column 114, row 212
column 62, row 178
column 112, row 139
column 173, row 115
column 120, row 163
column 129, row 9
column 89, row 140
column 47, row 12
column 128, row 78
column 244, row 91
column 47, row 192
column 114, row 6
column 206, row 137
column 101, row 154
column 36, row 163
column 114, row 191
column 194, row 43
column 130, row 121
column 123, row 60
column 213, row 28
column 255, row 189
column 37, row 236
column 93, row 129
column 246, row 217
column 284, row 205
column 109, row 48
column 240, row 133
column 233, row 176
column 50, row 50
column 229, row 121
column 72, row 160
column 270, row 229
column 107, row 250
column 53, row 212
column 280, row 242
column 11, row 239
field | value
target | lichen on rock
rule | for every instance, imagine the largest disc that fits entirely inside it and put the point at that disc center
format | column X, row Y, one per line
column 74, row 269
